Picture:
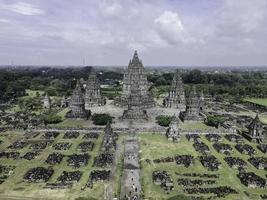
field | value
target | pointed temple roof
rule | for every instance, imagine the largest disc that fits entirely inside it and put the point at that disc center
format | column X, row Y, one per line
column 255, row 122
column 135, row 62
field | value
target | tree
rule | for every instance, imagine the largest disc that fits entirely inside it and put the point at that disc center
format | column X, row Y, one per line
column 52, row 119
column 101, row 119
column 164, row 120
column 214, row 121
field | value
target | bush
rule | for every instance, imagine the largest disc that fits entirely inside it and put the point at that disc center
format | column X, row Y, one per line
column 164, row 120
column 101, row 119
column 214, row 121
column 52, row 119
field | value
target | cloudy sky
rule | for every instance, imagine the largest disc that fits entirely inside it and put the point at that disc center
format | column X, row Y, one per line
column 106, row 32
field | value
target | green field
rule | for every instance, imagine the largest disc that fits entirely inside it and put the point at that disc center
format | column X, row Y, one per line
column 259, row 101
column 157, row 146
column 15, row 188
column 152, row 146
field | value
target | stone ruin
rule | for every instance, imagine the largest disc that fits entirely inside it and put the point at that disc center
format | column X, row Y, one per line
column 77, row 105
column 172, row 132
column 192, row 111
column 47, row 102
column 255, row 131
column 135, row 73
column 93, row 95
column 135, row 109
column 176, row 96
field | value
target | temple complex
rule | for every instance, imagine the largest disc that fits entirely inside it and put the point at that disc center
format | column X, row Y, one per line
column 192, row 111
column 47, row 102
column 93, row 96
column 176, row 97
column 77, row 107
column 135, row 73
column 255, row 130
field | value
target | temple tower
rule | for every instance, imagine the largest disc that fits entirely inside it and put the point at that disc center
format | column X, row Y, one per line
column 176, row 97
column 47, row 102
column 135, row 73
column 192, row 111
column 255, row 130
column 93, row 96
column 77, row 108
column 135, row 109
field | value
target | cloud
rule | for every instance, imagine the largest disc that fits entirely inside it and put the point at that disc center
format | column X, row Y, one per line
column 170, row 28
column 22, row 8
column 241, row 17
column 111, row 8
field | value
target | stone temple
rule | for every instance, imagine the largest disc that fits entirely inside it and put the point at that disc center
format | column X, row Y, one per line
column 93, row 96
column 77, row 107
column 47, row 102
column 135, row 109
column 135, row 73
column 255, row 130
column 176, row 97
column 172, row 132
column 192, row 111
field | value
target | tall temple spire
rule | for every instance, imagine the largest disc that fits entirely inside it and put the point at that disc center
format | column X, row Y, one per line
column 135, row 56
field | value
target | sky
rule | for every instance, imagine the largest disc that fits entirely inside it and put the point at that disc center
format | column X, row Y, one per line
column 106, row 32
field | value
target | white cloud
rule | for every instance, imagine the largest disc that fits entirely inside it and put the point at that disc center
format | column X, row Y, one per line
column 23, row 8
column 170, row 27
column 111, row 8
column 241, row 17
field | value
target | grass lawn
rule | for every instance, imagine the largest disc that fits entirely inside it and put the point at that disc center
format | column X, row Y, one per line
column 152, row 146
column 33, row 93
column 157, row 146
column 200, row 126
column 259, row 101
column 16, row 188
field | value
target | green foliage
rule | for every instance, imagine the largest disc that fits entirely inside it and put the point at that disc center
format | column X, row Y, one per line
column 101, row 119
column 179, row 197
column 30, row 103
column 85, row 198
column 52, row 119
column 214, row 121
column 164, row 120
